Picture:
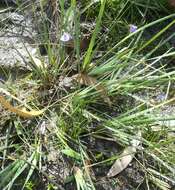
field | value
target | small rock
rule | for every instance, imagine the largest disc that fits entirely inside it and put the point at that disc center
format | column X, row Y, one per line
column 14, row 46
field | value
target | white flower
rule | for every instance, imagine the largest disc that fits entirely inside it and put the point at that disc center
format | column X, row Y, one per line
column 66, row 37
column 132, row 28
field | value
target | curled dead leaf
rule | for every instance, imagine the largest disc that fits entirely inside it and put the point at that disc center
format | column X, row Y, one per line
column 172, row 3
column 21, row 112
column 84, row 79
column 84, row 43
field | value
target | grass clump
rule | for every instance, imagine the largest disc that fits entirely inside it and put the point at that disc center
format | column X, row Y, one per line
column 98, row 99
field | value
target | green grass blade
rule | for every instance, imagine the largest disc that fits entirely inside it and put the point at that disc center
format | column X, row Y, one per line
column 88, row 57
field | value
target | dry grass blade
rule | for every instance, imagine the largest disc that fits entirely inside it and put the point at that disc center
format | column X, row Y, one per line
column 21, row 112
column 54, row 5
column 79, row 177
column 84, row 79
column 160, row 183
column 88, row 169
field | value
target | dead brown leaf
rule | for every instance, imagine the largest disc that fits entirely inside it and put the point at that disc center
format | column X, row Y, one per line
column 19, row 111
column 84, row 79
column 125, row 158
column 172, row 3
column 121, row 163
column 84, row 43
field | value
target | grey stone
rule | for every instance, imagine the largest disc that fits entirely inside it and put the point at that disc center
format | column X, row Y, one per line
column 16, row 39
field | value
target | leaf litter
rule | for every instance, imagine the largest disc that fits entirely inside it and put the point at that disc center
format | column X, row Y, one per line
column 125, row 158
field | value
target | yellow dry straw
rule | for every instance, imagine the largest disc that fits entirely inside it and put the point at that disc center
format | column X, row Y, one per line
column 20, row 112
